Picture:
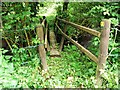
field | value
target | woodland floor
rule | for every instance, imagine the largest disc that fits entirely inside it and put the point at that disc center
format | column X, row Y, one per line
column 72, row 70
column 65, row 72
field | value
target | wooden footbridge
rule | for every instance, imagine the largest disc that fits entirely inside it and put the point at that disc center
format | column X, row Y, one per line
column 42, row 32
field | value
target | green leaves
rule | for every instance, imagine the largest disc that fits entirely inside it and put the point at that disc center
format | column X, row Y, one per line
column 7, row 26
column 114, row 21
column 35, row 41
column 6, row 71
column 71, row 70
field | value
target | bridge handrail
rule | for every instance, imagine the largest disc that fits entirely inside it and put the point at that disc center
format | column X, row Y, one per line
column 86, row 29
column 84, row 50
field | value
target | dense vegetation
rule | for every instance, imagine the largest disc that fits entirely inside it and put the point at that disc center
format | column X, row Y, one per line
column 20, row 64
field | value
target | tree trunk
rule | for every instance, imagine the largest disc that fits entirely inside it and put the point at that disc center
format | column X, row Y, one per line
column 63, row 38
column 65, row 6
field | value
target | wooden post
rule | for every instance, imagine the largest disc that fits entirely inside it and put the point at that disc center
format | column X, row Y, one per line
column 63, row 38
column 104, row 41
column 46, row 34
column 46, row 40
column 65, row 7
column 52, row 39
column 42, row 51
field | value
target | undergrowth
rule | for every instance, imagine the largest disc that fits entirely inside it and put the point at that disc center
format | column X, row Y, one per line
column 72, row 69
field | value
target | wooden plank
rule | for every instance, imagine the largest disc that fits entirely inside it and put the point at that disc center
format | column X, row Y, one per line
column 52, row 39
column 89, row 30
column 104, row 42
column 41, row 48
column 53, row 52
column 46, row 34
column 80, row 47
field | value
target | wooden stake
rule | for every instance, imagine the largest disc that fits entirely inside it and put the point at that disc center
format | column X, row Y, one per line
column 42, row 51
column 63, row 38
column 104, row 41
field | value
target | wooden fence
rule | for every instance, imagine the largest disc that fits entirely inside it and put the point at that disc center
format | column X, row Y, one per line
column 104, row 41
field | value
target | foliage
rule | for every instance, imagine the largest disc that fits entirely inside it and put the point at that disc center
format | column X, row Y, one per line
column 6, row 71
column 19, row 72
column 14, row 17
column 74, row 69
column 18, row 22
column 90, row 14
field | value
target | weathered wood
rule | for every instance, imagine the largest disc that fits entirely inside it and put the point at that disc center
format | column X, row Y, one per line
column 46, row 34
column 104, row 41
column 42, row 51
column 52, row 39
column 48, row 46
column 63, row 38
column 80, row 47
column 1, row 27
column 89, row 30
column 8, row 44
column 45, row 26
column 43, row 22
column 53, row 52
column 65, row 7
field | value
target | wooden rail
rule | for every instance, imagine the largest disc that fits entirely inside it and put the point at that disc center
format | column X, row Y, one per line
column 84, row 50
column 89, row 30
column 104, row 42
